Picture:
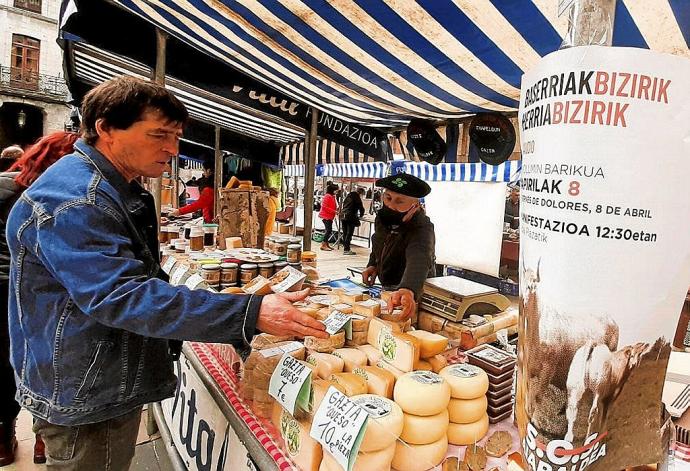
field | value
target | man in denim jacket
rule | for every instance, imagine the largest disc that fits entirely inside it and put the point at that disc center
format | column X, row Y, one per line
column 91, row 312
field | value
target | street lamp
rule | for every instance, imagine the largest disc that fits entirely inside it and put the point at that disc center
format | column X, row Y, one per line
column 21, row 119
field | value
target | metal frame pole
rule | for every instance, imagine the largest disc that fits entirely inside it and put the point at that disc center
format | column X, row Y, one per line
column 295, row 203
column 309, row 176
column 176, row 181
column 217, row 174
column 159, row 78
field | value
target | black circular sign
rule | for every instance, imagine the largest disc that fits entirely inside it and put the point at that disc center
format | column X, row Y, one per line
column 492, row 136
column 429, row 145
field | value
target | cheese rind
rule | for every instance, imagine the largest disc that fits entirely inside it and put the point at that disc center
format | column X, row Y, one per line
column 431, row 344
column 352, row 383
column 467, row 411
column 420, row 430
column 410, row 457
column 375, row 328
column 388, row 367
column 372, row 353
column 352, row 358
column 369, row 308
column 423, row 365
column 358, row 338
column 400, row 350
column 336, row 340
column 385, row 422
column 437, row 362
column 304, row 450
column 466, row 381
column 467, row 434
column 422, row 393
column 319, row 388
column 379, row 380
column 325, row 364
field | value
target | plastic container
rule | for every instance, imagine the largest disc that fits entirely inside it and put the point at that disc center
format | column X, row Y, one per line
column 248, row 272
column 210, row 272
column 294, row 253
column 196, row 239
column 229, row 274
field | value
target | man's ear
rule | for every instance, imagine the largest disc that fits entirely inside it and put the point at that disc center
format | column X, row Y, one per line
column 103, row 130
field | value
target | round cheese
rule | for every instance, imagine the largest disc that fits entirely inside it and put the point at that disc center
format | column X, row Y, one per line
column 466, row 411
column 419, row 457
column 352, row 357
column 466, row 381
column 422, row 393
column 385, row 422
column 468, row 434
column 369, row 461
column 419, row 430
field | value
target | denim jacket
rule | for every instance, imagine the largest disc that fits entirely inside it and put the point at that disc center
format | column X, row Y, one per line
column 89, row 315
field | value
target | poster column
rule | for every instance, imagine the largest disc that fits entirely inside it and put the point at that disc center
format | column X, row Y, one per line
column 605, row 253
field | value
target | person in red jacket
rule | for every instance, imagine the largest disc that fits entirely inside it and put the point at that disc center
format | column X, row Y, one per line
column 329, row 210
column 206, row 197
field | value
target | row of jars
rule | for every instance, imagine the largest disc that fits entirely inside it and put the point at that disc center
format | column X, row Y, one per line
column 228, row 274
column 197, row 237
column 290, row 247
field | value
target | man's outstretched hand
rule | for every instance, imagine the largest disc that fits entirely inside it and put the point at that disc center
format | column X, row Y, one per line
column 277, row 316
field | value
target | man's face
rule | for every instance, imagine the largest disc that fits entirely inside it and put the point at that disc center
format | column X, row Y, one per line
column 515, row 196
column 146, row 147
column 398, row 202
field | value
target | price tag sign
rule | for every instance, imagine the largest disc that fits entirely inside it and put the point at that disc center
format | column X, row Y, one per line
column 169, row 264
column 339, row 425
column 194, row 281
column 178, row 273
column 291, row 384
column 337, row 320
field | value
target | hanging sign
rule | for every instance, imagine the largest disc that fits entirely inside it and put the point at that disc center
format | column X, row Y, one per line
column 605, row 253
column 492, row 137
column 428, row 144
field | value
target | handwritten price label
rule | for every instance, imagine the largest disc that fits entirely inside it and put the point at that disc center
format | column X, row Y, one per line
column 339, row 425
column 291, row 384
column 169, row 264
column 336, row 321
column 178, row 274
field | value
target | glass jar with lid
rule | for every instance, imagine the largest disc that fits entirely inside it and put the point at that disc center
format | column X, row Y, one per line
column 267, row 244
column 229, row 273
column 196, row 239
column 294, row 253
column 266, row 270
column 248, row 271
column 281, row 247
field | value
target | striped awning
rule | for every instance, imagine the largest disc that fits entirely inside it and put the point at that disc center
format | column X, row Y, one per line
column 508, row 171
column 364, row 170
column 327, row 152
column 293, row 171
column 380, row 62
column 94, row 65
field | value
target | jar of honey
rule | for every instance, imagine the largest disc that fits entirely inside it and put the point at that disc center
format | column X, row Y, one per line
column 196, row 239
column 248, row 272
column 266, row 270
column 294, row 253
column 229, row 273
column 210, row 272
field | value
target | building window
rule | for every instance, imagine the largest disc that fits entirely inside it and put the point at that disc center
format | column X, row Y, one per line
column 24, row 65
column 31, row 5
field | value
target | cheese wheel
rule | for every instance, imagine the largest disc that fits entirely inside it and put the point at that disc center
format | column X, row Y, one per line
column 419, row 430
column 352, row 383
column 400, row 350
column 360, row 324
column 319, row 388
column 369, row 461
column 431, row 344
column 304, row 450
column 410, row 457
column 437, row 362
column 336, row 340
column 466, row 381
column 344, row 308
column 351, row 297
column 422, row 393
column 466, row 411
column 468, row 434
column 385, row 421
column 372, row 353
column 423, row 365
column 352, row 357
column 369, row 308
column 379, row 381
column 325, row 364
column 358, row 338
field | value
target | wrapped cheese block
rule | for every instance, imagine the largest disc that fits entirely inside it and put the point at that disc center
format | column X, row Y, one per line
column 368, row 308
column 328, row 345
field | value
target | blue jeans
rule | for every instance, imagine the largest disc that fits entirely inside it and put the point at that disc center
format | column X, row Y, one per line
column 103, row 446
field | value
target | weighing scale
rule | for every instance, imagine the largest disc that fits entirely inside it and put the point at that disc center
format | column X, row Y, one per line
column 455, row 298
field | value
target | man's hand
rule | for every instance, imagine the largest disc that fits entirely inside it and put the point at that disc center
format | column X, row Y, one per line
column 277, row 316
column 369, row 276
column 405, row 299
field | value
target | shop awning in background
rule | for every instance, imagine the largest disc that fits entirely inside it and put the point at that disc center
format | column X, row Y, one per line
column 475, row 172
column 293, row 171
column 327, row 152
column 381, row 62
column 363, row 170
column 94, row 65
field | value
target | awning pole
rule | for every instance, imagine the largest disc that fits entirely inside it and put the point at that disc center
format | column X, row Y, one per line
column 295, row 203
column 217, row 174
column 159, row 78
column 176, row 181
column 309, row 174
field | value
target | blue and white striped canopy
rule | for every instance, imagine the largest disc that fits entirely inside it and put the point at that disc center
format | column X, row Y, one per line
column 461, row 172
column 327, row 152
column 380, row 62
column 293, row 171
column 364, row 170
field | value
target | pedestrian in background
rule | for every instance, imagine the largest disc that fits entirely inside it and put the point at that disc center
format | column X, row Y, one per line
column 351, row 212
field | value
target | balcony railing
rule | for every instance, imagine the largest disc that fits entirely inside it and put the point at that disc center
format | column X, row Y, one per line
column 19, row 79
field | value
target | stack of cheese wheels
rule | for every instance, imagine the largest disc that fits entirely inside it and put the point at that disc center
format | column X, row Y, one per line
column 423, row 396
column 469, row 421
